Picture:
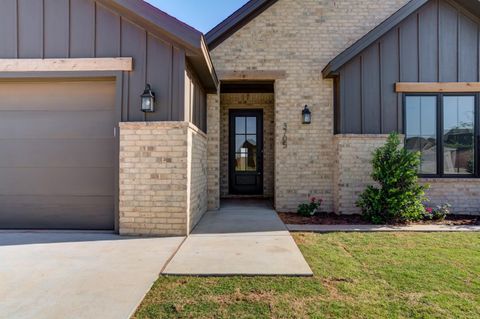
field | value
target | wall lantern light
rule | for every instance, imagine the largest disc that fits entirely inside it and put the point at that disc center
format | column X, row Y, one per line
column 306, row 115
column 148, row 100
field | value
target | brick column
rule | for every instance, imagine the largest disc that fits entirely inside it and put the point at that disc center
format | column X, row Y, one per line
column 162, row 177
column 213, row 126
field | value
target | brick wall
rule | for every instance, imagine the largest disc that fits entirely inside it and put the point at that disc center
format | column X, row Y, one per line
column 264, row 101
column 300, row 37
column 213, row 148
column 160, row 185
column 197, row 183
column 462, row 193
column 352, row 169
column 352, row 175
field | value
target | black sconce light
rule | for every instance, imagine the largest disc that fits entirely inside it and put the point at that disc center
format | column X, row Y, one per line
column 148, row 100
column 306, row 115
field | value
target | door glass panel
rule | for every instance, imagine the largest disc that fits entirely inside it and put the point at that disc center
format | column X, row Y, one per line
column 245, row 144
column 251, row 125
column 240, row 160
column 421, row 112
column 251, row 145
column 251, row 164
column 458, row 134
column 240, row 125
column 239, row 142
column 251, row 140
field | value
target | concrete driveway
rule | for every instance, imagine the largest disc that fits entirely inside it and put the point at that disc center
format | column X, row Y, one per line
column 78, row 275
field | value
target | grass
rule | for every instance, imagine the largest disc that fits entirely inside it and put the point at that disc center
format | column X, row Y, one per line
column 358, row 275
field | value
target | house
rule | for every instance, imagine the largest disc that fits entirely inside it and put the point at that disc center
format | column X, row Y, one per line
column 229, row 106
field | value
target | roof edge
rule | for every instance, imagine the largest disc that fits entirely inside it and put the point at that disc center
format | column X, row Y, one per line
column 340, row 60
column 173, row 28
column 203, row 66
column 236, row 21
column 158, row 21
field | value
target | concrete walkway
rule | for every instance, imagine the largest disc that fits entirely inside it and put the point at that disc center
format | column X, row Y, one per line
column 242, row 238
column 381, row 228
column 77, row 275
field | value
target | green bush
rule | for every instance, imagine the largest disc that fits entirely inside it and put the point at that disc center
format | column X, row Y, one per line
column 309, row 209
column 398, row 198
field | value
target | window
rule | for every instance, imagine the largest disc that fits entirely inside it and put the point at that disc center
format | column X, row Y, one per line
column 442, row 127
column 458, row 134
column 421, row 130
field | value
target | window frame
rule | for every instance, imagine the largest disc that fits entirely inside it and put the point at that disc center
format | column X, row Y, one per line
column 439, row 132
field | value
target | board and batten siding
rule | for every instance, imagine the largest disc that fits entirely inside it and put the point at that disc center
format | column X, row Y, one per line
column 438, row 43
column 195, row 100
column 88, row 29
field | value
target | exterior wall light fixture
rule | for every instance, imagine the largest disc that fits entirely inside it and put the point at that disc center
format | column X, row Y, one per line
column 306, row 115
column 148, row 100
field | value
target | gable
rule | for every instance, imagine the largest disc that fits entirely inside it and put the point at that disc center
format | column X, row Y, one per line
column 97, row 28
column 439, row 42
column 236, row 21
column 173, row 30
column 467, row 8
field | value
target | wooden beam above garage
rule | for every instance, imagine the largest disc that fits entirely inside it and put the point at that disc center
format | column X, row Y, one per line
column 437, row 87
column 66, row 65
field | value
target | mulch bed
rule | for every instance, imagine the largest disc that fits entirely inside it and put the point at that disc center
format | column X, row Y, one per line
column 334, row 219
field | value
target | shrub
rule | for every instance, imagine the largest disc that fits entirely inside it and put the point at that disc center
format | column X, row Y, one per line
column 398, row 197
column 438, row 213
column 309, row 209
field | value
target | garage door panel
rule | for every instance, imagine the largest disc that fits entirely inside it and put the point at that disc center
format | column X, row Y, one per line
column 48, row 96
column 52, row 212
column 56, row 125
column 57, row 153
column 56, row 181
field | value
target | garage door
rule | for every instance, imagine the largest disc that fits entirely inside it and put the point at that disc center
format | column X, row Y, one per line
column 57, row 153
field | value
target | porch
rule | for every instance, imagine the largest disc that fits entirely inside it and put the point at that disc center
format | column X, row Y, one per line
column 242, row 137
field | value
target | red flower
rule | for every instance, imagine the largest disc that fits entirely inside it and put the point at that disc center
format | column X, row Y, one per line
column 313, row 199
column 429, row 209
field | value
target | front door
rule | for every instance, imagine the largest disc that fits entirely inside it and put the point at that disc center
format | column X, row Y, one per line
column 246, row 152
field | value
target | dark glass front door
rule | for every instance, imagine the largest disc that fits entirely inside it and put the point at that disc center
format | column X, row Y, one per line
column 246, row 152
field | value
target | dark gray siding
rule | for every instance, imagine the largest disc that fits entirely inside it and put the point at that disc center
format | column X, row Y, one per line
column 438, row 43
column 85, row 29
column 195, row 101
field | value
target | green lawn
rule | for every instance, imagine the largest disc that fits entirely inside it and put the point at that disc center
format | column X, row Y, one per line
column 395, row 275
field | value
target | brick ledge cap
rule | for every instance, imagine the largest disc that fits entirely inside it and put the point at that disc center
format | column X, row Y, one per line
column 161, row 124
